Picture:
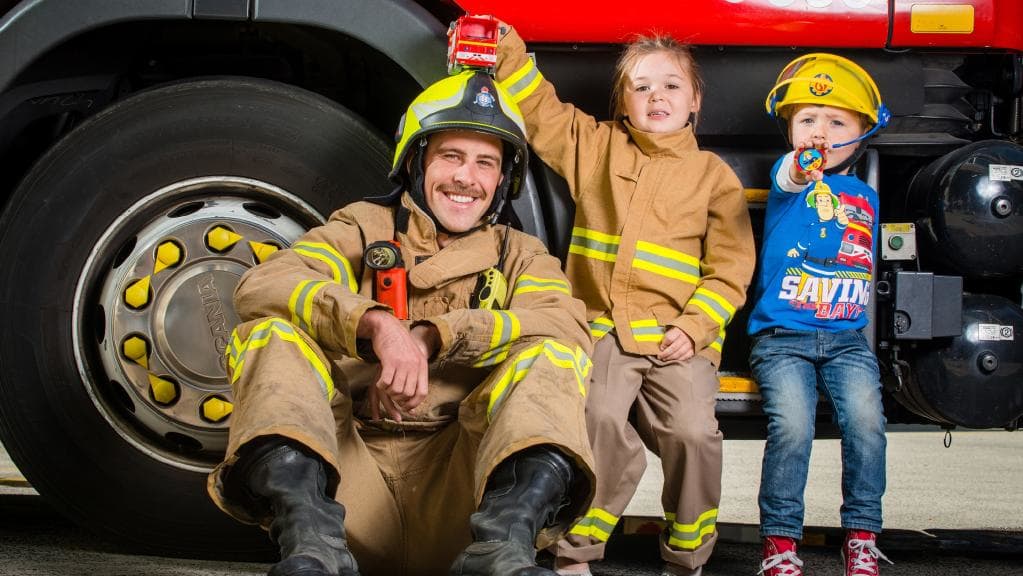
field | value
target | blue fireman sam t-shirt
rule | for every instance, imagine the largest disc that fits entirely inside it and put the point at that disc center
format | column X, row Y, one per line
column 817, row 258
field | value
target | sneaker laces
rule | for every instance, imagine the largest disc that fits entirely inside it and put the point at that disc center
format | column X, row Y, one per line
column 786, row 562
column 865, row 556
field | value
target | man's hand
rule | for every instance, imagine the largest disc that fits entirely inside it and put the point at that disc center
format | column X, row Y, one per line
column 427, row 338
column 404, row 364
column 676, row 345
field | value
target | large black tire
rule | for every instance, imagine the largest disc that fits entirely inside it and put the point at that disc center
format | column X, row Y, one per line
column 85, row 221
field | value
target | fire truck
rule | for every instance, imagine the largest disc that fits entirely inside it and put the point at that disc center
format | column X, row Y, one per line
column 154, row 150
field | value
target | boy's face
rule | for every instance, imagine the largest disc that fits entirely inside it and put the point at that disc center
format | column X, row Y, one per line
column 658, row 95
column 817, row 126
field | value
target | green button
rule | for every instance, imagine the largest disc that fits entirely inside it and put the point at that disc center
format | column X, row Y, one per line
column 896, row 242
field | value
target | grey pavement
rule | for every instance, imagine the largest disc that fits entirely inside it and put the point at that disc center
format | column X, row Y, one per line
column 975, row 483
column 949, row 511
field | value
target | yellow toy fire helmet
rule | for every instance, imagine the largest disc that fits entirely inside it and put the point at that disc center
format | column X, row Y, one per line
column 828, row 80
column 471, row 100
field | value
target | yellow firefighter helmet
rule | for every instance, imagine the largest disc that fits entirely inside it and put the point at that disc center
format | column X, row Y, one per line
column 827, row 80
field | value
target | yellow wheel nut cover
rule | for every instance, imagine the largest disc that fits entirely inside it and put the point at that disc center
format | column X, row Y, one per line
column 135, row 349
column 221, row 239
column 216, row 409
column 167, row 255
column 164, row 391
column 137, row 295
column 262, row 250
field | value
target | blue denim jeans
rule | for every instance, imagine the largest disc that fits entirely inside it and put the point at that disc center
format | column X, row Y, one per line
column 792, row 367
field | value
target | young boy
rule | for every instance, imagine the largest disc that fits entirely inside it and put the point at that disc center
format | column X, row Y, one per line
column 812, row 295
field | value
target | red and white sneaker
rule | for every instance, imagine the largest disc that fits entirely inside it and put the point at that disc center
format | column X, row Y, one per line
column 860, row 553
column 780, row 557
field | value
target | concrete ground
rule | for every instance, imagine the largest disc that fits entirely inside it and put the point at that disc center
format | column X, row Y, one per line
column 956, row 510
column 975, row 483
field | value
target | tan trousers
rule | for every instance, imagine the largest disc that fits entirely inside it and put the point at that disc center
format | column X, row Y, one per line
column 674, row 417
column 408, row 493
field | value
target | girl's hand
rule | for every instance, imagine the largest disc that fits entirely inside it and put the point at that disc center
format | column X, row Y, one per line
column 676, row 345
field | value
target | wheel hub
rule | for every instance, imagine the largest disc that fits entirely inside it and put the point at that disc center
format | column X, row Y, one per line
column 162, row 278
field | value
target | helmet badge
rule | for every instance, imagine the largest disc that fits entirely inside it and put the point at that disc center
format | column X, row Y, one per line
column 484, row 98
column 821, row 85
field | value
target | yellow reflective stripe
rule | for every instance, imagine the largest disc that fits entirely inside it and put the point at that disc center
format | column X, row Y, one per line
column 594, row 244
column 260, row 337
column 714, row 305
column 513, row 375
column 600, row 327
column 493, row 356
column 560, row 356
column 690, row 536
column 436, row 97
column 528, row 283
column 564, row 357
column 340, row 268
column 523, row 81
column 597, row 524
column 506, row 331
column 647, row 331
column 706, row 294
column 719, row 342
column 301, row 304
column 666, row 262
column 234, row 349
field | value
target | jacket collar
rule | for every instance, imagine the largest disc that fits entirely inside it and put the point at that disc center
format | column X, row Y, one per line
column 670, row 144
column 468, row 254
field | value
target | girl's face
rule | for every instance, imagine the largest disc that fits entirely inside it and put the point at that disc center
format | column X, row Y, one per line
column 658, row 95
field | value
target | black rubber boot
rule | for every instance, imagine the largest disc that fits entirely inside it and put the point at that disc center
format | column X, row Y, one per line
column 307, row 525
column 523, row 495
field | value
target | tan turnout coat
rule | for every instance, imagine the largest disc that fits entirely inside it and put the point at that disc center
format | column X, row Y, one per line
column 502, row 381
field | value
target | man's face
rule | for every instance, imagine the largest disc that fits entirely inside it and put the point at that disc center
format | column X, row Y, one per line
column 462, row 171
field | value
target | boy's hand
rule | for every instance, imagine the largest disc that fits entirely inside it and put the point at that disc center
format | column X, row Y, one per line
column 676, row 345
column 797, row 175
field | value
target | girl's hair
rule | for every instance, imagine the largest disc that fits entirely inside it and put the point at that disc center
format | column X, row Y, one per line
column 643, row 46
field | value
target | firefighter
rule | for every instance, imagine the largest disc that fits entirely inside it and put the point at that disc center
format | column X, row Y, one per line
column 452, row 441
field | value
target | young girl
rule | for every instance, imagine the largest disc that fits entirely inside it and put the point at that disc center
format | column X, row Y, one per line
column 661, row 253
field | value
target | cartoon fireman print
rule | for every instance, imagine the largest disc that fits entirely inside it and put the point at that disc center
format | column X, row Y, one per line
column 832, row 262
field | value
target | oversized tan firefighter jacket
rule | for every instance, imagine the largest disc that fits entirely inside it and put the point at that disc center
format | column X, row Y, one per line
column 321, row 279
column 662, row 235
column 502, row 381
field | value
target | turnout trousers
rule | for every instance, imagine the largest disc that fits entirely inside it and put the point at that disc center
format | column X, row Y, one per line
column 672, row 413
column 408, row 490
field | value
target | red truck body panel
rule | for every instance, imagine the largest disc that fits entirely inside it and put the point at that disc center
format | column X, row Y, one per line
column 797, row 23
column 996, row 24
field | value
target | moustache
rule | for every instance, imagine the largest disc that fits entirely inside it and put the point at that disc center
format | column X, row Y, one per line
column 461, row 189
